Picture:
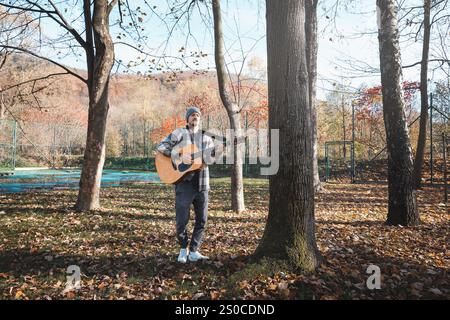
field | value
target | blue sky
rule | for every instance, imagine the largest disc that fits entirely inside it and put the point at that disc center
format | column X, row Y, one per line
column 337, row 42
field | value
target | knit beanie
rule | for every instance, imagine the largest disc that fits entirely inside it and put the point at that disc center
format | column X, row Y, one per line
column 191, row 110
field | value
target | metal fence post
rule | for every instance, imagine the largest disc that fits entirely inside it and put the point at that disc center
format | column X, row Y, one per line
column 14, row 145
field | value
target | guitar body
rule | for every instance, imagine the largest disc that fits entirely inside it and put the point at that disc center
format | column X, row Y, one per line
column 173, row 172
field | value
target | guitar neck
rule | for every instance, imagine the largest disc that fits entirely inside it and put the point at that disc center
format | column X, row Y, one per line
column 200, row 153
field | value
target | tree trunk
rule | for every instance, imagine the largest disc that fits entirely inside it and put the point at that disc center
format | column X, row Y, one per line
column 2, row 106
column 98, row 83
column 289, row 234
column 237, row 181
column 343, row 127
column 418, row 163
column 311, row 54
column 233, row 111
column 402, row 208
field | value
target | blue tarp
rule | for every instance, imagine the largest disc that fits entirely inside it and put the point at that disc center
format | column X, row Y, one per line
column 27, row 180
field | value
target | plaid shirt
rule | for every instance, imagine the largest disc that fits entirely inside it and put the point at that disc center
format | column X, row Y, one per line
column 183, row 137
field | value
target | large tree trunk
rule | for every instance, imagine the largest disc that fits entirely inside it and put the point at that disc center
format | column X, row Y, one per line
column 233, row 111
column 311, row 56
column 101, row 65
column 289, row 233
column 402, row 207
column 418, row 162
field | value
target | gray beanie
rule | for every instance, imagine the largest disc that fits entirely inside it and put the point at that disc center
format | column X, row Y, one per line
column 191, row 110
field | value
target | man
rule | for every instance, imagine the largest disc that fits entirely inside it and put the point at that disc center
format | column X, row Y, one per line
column 193, row 189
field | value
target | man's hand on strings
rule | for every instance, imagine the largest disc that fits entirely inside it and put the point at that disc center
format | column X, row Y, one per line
column 186, row 158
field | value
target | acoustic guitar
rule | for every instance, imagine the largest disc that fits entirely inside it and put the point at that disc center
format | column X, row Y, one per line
column 173, row 172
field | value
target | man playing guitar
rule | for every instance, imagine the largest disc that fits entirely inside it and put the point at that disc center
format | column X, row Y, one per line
column 193, row 188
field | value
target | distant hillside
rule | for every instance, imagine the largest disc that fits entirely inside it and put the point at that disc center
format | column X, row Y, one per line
column 67, row 96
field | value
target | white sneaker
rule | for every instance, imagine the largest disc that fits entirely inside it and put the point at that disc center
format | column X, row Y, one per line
column 182, row 257
column 195, row 256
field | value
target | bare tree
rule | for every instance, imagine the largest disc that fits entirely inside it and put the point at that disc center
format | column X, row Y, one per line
column 426, row 24
column 100, row 60
column 418, row 162
column 99, row 53
column 402, row 207
column 15, row 30
column 233, row 111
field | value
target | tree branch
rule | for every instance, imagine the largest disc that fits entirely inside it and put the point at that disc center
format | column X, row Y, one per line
column 46, row 59
column 26, row 9
column 4, row 59
column 111, row 6
column 431, row 60
column 33, row 80
column 66, row 25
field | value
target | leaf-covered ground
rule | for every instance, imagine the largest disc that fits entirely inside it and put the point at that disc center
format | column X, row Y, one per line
column 128, row 249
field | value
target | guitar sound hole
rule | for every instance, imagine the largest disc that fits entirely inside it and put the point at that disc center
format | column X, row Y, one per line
column 183, row 167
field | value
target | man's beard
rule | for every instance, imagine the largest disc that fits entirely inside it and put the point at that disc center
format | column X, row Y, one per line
column 194, row 124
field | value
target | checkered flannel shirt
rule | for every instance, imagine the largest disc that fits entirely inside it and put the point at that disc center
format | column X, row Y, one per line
column 183, row 137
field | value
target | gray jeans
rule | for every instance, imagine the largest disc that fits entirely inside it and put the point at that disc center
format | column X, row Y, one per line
column 187, row 193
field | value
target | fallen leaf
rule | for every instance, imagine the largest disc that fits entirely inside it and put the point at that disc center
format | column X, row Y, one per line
column 198, row 296
column 436, row 291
